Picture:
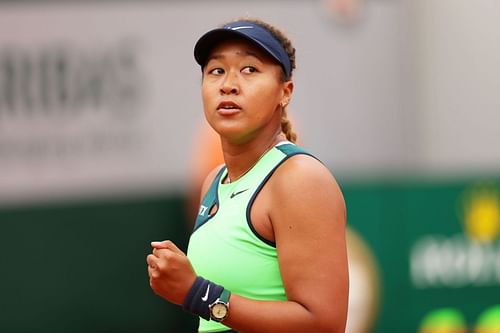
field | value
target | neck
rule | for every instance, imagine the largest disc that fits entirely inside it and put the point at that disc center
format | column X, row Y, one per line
column 240, row 158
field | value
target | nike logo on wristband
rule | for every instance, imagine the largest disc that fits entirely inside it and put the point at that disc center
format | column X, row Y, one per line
column 235, row 194
column 205, row 298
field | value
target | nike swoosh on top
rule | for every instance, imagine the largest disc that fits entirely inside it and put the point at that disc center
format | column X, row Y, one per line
column 242, row 27
column 235, row 194
column 205, row 298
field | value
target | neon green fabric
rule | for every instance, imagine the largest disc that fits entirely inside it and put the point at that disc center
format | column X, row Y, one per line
column 225, row 250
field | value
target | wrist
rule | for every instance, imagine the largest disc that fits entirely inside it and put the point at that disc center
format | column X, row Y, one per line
column 219, row 309
column 207, row 300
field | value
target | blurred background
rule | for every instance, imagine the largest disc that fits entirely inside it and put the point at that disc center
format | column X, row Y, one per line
column 103, row 142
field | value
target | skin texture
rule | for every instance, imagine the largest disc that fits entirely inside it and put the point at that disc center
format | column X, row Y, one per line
column 301, row 208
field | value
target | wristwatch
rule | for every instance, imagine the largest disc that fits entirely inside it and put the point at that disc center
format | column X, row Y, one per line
column 219, row 310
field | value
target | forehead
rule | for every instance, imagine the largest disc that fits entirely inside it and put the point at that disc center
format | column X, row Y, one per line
column 241, row 47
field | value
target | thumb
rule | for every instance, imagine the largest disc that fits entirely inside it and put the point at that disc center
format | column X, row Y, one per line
column 166, row 244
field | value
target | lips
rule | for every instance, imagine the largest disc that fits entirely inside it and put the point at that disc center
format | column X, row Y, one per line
column 228, row 108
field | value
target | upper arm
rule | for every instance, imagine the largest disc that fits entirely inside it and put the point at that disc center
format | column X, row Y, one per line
column 308, row 218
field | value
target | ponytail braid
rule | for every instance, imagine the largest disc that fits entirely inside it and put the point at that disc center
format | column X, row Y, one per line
column 286, row 126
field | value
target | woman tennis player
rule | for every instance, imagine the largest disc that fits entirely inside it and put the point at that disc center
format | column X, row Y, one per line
column 268, row 252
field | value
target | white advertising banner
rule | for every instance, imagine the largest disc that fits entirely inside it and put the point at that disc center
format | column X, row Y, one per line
column 103, row 98
column 89, row 99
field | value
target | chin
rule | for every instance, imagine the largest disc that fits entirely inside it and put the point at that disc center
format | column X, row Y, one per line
column 235, row 137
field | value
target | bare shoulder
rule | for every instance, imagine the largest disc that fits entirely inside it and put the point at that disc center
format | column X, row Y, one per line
column 303, row 178
column 306, row 198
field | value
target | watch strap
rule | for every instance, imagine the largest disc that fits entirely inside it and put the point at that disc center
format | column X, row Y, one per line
column 224, row 296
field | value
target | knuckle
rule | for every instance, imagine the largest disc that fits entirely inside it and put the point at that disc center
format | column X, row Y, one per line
column 160, row 266
column 150, row 259
column 163, row 254
column 155, row 274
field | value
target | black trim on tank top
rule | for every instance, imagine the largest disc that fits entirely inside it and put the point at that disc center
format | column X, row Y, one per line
column 214, row 192
column 259, row 188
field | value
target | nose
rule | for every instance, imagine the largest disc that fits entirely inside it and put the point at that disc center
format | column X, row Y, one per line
column 230, row 84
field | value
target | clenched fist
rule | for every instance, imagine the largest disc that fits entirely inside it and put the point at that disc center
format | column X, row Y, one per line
column 170, row 272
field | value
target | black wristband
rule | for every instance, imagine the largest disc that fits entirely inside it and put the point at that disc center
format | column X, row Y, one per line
column 200, row 296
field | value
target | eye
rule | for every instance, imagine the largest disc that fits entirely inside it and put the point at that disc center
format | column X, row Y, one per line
column 216, row 71
column 249, row 70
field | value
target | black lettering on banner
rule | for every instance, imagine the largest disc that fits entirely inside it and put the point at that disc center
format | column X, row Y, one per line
column 63, row 80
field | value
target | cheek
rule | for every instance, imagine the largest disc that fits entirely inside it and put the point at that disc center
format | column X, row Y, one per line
column 267, row 97
column 204, row 92
column 206, row 95
column 208, row 103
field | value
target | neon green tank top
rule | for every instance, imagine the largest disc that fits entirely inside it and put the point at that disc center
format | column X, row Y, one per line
column 225, row 249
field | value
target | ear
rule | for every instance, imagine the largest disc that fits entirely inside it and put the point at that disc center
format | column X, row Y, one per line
column 287, row 93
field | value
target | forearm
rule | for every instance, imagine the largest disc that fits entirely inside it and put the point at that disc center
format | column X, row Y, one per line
column 252, row 316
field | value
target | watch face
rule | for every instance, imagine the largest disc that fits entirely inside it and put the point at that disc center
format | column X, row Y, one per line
column 219, row 311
